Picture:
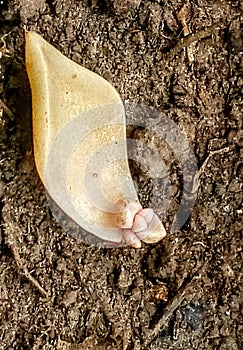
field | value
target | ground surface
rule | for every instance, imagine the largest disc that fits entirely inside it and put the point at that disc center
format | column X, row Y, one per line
column 183, row 293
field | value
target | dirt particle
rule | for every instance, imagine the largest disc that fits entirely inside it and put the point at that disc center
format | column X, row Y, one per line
column 122, row 7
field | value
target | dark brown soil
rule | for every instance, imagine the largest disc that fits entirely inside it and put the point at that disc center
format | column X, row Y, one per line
column 182, row 293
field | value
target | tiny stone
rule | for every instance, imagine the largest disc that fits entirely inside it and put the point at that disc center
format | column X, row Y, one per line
column 122, row 7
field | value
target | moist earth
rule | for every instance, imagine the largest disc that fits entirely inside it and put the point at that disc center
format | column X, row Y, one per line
column 185, row 60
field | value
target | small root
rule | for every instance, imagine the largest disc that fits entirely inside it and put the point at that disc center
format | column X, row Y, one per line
column 181, row 16
column 205, row 163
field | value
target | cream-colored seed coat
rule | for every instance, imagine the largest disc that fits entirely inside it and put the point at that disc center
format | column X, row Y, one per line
column 62, row 91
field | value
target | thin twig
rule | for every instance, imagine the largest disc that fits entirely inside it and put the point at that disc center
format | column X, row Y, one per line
column 191, row 38
column 171, row 307
column 6, row 110
column 14, row 248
